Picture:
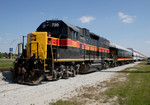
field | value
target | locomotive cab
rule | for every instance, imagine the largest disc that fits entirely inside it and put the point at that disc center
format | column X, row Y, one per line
column 58, row 29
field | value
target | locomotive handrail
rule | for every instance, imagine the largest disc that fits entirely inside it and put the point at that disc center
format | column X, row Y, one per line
column 40, row 47
column 52, row 56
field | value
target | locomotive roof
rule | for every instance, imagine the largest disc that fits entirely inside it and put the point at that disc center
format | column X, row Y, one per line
column 72, row 26
column 113, row 45
column 75, row 28
column 93, row 35
column 99, row 37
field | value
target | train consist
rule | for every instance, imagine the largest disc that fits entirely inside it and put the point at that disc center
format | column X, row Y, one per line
column 137, row 56
column 60, row 50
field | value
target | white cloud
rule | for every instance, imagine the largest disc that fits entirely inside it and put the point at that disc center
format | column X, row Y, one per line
column 86, row 19
column 126, row 18
column 42, row 13
column 0, row 38
column 147, row 42
column 122, row 15
column 6, row 42
column 8, row 39
column 7, row 34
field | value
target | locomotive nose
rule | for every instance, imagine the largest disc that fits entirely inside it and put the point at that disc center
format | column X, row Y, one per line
column 37, row 44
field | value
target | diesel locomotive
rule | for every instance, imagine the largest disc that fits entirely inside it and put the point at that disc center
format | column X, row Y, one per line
column 59, row 50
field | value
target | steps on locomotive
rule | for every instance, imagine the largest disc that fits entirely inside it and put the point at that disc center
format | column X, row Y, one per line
column 48, row 69
column 48, row 74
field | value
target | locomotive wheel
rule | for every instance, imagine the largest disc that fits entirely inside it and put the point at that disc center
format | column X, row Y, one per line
column 59, row 75
column 107, row 65
column 77, row 67
column 54, row 75
column 100, row 67
column 111, row 65
column 73, row 73
column 66, row 74
column 104, row 65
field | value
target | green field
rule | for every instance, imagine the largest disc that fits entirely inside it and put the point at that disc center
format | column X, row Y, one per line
column 136, row 89
column 5, row 63
column 133, row 90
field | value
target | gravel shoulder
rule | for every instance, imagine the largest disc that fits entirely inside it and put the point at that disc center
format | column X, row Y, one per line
column 50, row 91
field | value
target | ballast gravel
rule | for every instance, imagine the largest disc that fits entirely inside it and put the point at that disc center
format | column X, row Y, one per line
column 50, row 91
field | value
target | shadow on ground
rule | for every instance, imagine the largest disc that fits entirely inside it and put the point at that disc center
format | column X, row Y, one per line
column 7, row 76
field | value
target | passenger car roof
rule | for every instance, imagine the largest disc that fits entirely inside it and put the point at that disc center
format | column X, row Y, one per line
column 113, row 45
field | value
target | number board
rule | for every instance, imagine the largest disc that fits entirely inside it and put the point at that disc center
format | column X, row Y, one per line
column 55, row 24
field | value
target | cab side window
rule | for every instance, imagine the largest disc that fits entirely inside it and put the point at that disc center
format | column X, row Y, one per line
column 74, row 35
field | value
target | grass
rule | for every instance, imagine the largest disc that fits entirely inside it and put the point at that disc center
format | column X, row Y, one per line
column 136, row 89
column 65, row 102
column 130, row 87
column 5, row 63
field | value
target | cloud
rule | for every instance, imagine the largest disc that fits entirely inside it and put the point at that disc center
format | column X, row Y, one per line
column 7, row 34
column 86, row 19
column 0, row 38
column 126, row 18
column 42, row 13
column 6, row 42
column 147, row 42
column 8, row 39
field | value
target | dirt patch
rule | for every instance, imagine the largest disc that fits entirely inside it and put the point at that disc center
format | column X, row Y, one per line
column 96, row 94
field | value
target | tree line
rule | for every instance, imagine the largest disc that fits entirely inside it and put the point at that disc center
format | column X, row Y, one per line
column 4, row 55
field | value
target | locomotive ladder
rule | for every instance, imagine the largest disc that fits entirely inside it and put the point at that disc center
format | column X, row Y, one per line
column 52, row 63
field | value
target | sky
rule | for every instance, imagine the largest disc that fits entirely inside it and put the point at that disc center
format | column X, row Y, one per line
column 124, row 22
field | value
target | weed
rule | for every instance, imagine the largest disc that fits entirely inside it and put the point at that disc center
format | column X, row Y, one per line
column 5, row 63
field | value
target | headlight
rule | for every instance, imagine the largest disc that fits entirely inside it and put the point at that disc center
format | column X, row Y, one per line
column 35, row 62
